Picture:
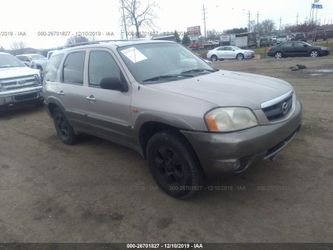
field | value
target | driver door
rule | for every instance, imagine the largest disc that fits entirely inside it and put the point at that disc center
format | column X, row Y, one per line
column 108, row 110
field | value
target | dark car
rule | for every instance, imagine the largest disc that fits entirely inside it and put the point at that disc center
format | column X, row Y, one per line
column 296, row 48
column 298, row 37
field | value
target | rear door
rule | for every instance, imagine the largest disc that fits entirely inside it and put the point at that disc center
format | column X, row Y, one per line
column 108, row 110
column 220, row 52
column 71, row 90
column 288, row 49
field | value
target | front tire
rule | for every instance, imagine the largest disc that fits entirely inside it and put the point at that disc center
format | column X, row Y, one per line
column 173, row 165
column 240, row 57
column 314, row 53
column 64, row 130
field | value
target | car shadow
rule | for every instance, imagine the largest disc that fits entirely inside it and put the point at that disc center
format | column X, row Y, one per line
column 14, row 112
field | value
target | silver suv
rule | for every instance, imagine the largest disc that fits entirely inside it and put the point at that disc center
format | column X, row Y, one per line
column 18, row 83
column 186, row 118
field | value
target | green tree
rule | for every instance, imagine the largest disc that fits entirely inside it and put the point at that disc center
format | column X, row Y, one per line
column 186, row 40
column 177, row 38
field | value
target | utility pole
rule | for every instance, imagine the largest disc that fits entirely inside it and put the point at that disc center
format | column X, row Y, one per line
column 249, row 22
column 258, row 18
column 280, row 23
column 124, row 19
column 204, row 19
column 297, row 16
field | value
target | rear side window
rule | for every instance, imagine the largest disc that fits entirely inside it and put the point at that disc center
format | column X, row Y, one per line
column 73, row 68
column 53, row 67
column 102, row 65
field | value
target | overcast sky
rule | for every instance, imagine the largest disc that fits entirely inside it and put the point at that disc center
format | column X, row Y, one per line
column 104, row 16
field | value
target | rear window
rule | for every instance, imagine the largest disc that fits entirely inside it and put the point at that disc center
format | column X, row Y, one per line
column 73, row 68
column 53, row 67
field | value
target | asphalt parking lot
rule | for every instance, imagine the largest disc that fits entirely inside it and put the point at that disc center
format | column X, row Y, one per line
column 97, row 191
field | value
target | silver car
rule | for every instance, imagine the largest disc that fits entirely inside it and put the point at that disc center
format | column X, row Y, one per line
column 35, row 61
column 186, row 118
column 229, row 52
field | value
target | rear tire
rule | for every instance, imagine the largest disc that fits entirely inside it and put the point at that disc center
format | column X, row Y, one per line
column 64, row 130
column 278, row 55
column 214, row 58
column 173, row 165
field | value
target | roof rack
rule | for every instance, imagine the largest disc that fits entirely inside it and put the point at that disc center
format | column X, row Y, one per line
column 93, row 42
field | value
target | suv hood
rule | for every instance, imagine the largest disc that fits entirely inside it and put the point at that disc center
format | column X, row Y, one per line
column 17, row 72
column 228, row 88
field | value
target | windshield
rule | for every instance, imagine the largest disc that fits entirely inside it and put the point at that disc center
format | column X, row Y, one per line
column 161, row 62
column 307, row 44
column 9, row 61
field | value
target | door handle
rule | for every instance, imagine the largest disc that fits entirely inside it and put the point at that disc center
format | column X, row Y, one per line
column 61, row 92
column 91, row 98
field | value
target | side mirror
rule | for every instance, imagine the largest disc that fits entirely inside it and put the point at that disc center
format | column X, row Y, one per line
column 305, row 45
column 113, row 83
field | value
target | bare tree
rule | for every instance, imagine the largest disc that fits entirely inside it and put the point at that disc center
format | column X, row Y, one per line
column 18, row 45
column 138, row 15
column 72, row 40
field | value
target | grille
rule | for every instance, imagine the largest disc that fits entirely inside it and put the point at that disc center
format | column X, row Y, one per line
column 279, row 109
column 19, row 82
column 26, row 97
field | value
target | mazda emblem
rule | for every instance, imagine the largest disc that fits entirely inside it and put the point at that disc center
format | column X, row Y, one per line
column 284, row 108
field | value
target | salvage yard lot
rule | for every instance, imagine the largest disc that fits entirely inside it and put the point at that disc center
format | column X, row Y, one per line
column 97, row 191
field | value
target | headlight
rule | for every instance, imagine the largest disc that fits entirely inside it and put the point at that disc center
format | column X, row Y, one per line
column 37, row 78
column 230, row 119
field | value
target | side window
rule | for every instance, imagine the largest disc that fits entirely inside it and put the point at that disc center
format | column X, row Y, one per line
column 228, row 48
column 220, row 49
column 53, row 67
column 287, row 45
column 298, row 45
column 73, row 68
column 102, row 65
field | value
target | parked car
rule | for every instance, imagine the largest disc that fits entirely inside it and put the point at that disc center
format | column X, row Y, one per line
column 35, row 61
column 186, row 118
column 265, row 42
column 49, row 54
column 281, row 39
column 229, row 52
column 297, row 48
column 19, row 84
column 298, row 37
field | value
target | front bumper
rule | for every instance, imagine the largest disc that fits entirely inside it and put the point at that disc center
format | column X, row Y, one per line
column 249, row 56
column 20, row 96
column 236, row 151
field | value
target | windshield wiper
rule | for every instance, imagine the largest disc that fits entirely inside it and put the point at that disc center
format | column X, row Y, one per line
column 162, row 77
column 199, row 71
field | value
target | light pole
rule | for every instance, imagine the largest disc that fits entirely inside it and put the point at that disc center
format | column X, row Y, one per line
column 124, row 19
